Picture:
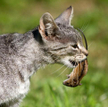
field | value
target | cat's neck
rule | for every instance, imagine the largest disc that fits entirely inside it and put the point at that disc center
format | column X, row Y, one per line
column 33, row 55
column 37, row 47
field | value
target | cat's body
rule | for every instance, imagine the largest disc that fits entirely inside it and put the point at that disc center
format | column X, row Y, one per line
column 22, row 54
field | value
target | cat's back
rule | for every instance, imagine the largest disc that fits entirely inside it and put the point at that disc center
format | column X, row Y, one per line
column 5, row 41
column 8, row 53
column 11, row 84
column 3, row 51
column 2, row 42
column 4, row 48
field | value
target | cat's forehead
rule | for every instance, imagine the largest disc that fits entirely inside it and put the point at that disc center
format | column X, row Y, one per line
column 69, row 34
column 64, row 27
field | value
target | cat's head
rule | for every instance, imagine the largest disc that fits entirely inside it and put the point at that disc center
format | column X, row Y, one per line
column 61, row 40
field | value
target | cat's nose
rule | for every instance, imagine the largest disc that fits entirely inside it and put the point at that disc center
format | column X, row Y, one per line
column 85, row 52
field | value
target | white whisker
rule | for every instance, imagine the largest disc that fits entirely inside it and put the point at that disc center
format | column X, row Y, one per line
column 85, row 27
column 90, row 44
column 62, row 71
column 57, row 69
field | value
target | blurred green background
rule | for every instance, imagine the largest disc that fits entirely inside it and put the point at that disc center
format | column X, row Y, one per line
column 46, row 89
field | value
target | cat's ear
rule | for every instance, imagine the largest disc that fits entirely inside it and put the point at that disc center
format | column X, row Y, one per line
column 66, row 16
column 47, row 26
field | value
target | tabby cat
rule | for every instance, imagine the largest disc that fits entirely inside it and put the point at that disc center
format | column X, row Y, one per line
column 53, row 41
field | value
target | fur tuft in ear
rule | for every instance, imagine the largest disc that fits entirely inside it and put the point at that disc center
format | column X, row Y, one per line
column 66, row 16
column 47, row 25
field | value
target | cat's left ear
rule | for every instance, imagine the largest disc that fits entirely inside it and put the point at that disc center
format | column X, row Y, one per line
column 66, row 17
column 47, row 27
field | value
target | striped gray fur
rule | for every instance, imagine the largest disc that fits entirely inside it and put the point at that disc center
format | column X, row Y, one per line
column 21, row 55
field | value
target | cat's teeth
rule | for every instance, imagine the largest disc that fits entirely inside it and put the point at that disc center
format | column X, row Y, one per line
column 73, row 63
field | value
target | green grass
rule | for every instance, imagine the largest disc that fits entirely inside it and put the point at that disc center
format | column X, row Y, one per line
column 47, row 90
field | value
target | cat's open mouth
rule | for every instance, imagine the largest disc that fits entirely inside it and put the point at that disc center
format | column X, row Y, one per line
column 74, row 63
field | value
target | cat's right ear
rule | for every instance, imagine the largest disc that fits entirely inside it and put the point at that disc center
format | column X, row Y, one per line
column 66, row 17
column 47, row 27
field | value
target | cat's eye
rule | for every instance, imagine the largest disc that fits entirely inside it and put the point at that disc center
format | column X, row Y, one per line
column 75, row 46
